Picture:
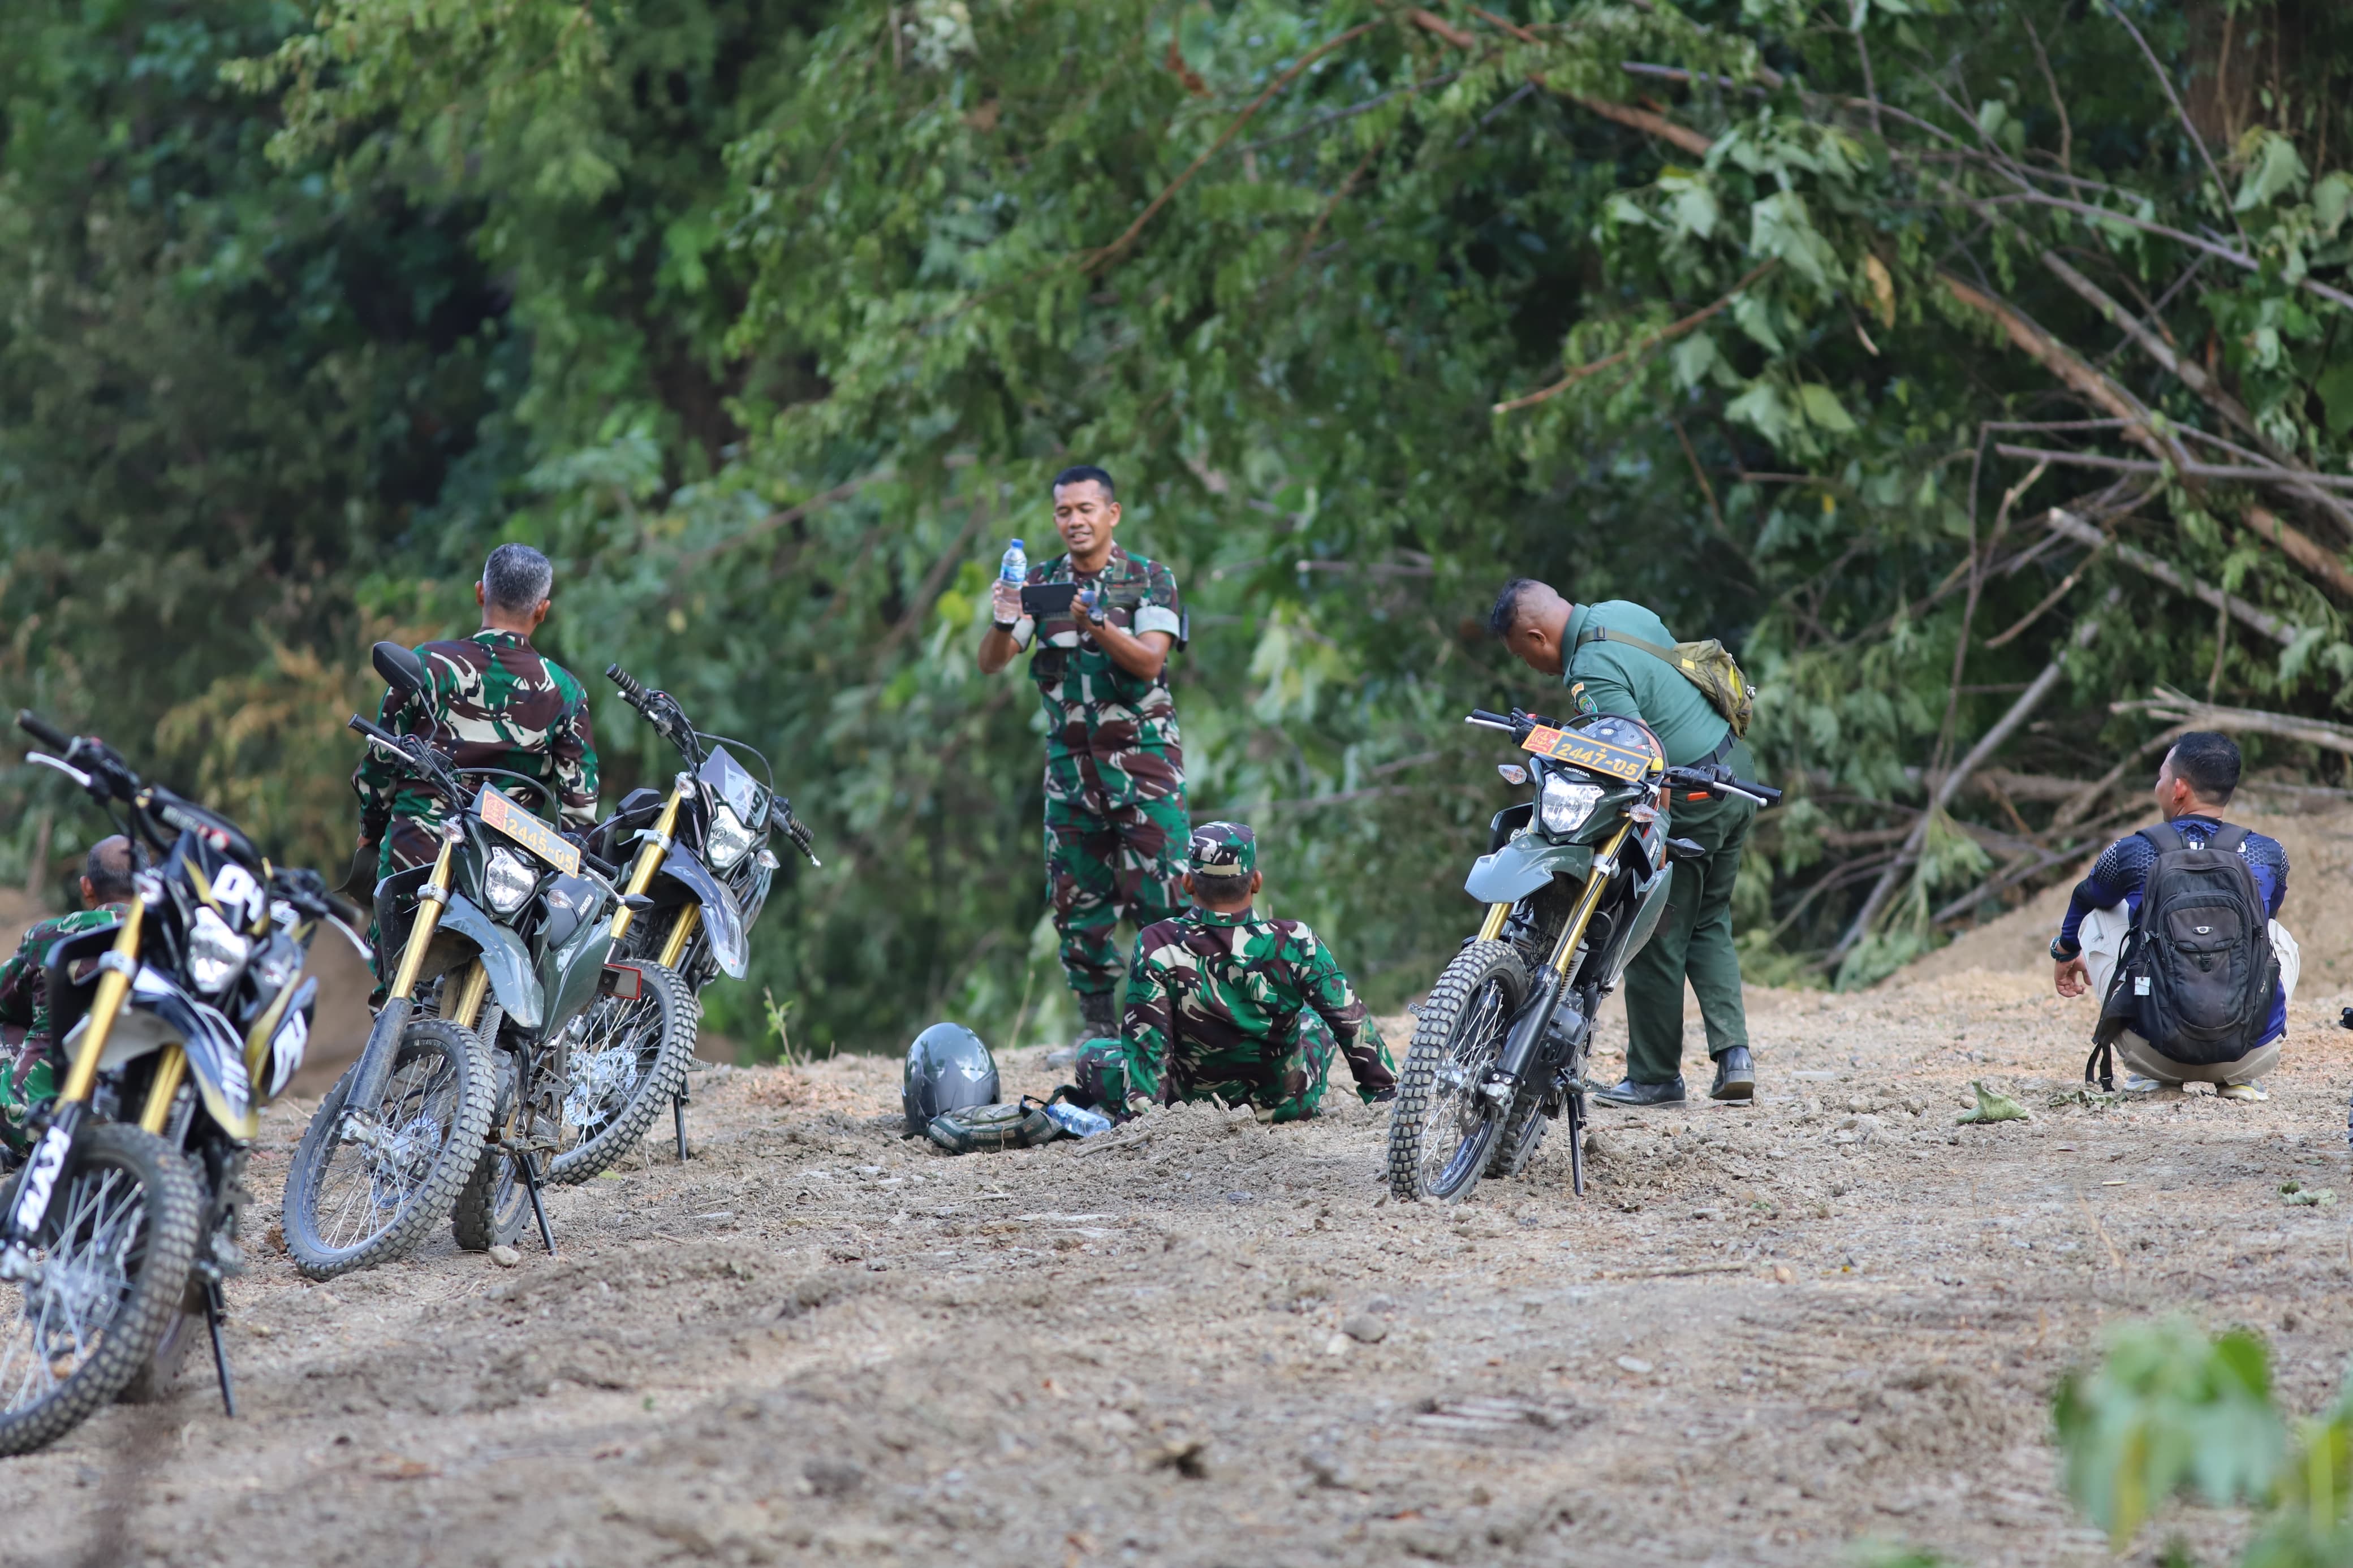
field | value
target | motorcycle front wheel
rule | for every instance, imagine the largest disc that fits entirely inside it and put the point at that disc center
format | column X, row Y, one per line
column 1442, row 1128
column 353, row 1202
column 112, row 1262
column 628, row 1056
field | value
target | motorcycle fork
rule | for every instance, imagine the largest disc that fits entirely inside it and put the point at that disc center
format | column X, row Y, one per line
column 1528, row 1031
column 48, row 1161
column 649, row 856
column 400, row 998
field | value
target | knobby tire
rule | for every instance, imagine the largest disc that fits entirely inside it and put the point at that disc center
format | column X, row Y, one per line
column 667, row 1018
column 1478, row 994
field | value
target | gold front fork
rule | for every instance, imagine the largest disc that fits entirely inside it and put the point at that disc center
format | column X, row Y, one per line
column 679, row 935
column 471, row 992
column 122, row 962
column 1493, row 926
column 1605, row 863
column 649, row 856
column 170, row 1068
column 420, row 935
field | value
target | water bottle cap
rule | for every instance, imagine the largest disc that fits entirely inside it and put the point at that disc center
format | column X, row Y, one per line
column 1017, row 544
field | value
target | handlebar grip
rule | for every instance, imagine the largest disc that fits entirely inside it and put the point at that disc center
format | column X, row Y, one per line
column 41, row 730
column 373, row 730
column 598, row 864
column 633, row 691
column 1480, row 716
column 1765, row 792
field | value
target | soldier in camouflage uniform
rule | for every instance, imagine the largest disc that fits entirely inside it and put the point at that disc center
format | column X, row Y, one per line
column 1116, row 817
column 1224, row 1003
column 28, row 1070
column 495, row 703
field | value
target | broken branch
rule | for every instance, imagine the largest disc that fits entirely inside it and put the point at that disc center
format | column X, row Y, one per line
column 1664, row 335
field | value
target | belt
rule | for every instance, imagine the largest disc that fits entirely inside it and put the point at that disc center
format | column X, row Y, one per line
column 1722, row 749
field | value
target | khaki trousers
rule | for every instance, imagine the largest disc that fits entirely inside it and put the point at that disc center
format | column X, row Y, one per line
column 2102, row 932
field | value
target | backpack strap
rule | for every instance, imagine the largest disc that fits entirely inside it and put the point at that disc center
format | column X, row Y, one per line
column 2103, row 1060
column 2164, row 836
column 2227, row 838
column 1603, row 634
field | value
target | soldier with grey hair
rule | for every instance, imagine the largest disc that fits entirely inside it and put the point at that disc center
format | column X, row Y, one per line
column 493, row 702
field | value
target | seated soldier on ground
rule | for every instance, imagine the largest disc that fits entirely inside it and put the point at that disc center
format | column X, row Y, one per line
column 1222, row 1004
column 2194, row 786
column 29, row 1074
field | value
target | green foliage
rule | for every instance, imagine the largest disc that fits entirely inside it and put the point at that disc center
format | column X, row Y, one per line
column 771, row 322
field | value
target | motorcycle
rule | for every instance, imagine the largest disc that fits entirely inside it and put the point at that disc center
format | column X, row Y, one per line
column 1575, row 880
column 496, row 952
column 177, row 1023
column 703, row 860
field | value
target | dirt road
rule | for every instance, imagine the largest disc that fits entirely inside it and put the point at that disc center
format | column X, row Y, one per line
column 1766, row 1333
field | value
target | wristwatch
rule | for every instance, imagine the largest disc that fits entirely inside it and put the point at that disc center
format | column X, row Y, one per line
column 2059, row 956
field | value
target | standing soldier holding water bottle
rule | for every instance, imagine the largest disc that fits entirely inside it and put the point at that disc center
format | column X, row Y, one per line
column 1116, row 823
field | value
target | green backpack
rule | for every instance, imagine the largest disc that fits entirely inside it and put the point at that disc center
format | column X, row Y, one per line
column 1705, row 665
column 973, row 1128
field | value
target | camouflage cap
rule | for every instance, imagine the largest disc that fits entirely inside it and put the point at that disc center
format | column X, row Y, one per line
column 1224, row 849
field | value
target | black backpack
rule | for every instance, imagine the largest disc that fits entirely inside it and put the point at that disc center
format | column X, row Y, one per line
column 2196, row 974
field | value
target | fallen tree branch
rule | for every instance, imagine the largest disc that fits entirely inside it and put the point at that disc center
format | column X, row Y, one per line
column 1664, row 335
column 2192, row 714
column 2073, row 811
column 2301, row 548
column 2062, row 521
column 2143, row 465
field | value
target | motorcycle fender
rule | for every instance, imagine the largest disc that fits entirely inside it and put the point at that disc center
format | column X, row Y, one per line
column 503, row 955
column 159, row 1014
column 1650, row 902
column 721, row 917
column 1522, row 867
column 574, row 968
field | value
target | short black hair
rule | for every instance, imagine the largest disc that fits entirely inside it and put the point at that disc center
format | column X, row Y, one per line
column 1507, row 613
column 516, row 578
column 1084, row 471
column 110, row 866
column 2208, row 762
column 1227, row 886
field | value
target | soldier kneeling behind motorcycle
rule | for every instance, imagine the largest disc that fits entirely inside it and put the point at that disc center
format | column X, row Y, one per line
column 1223, row 1004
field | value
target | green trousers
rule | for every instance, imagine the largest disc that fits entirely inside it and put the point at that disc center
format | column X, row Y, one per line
column 1693, row 940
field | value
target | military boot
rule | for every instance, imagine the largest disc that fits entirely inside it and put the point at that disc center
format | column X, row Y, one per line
column 1098, row 1015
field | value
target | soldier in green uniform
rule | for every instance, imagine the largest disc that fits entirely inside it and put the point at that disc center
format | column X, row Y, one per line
column 1116, row 817
column 28, row 1072
column 1224, row 1003
column 1593, row 649
column 495, row 703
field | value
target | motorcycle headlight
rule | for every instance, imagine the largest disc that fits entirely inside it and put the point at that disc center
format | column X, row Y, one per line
column 729, row 840
column 216, row 953
column 508, row 880
column 1566, row 805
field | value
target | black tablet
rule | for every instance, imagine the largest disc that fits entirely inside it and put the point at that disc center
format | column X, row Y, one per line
column 1047, row 601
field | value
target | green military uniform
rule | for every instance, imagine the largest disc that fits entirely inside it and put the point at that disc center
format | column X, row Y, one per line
column 1694, row 939
column 28, row 1076
column 1116, row 817
column 1248, row 1010
column 495, row 703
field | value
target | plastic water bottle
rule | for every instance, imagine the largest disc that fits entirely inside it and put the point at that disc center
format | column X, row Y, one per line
column 1078, row 1122
column 1014, row 567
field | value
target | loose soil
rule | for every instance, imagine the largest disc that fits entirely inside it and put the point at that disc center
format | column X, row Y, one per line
column 1763, row 1334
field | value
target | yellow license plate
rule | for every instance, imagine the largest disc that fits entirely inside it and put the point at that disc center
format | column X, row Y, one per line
column 500, row 811
column 1599, row 756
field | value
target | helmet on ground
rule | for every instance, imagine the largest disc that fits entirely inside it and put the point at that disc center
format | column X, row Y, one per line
column 948, row 1068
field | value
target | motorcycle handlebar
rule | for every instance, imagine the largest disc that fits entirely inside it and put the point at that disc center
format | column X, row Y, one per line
column 633, row 691
column 41, row 730
column 1721, row 784
column 1486, row 720
column 373, row 731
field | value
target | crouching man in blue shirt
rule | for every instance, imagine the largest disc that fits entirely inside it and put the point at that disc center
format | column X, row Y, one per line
column 2194, row 786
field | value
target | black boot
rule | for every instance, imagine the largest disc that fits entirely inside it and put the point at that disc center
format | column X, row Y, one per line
column 1628, row 1092
column 1098, row 1015
column 1735, row 1076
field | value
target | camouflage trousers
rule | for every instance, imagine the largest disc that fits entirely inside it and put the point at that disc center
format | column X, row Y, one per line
column 1127, row 860
column 1288, row 1089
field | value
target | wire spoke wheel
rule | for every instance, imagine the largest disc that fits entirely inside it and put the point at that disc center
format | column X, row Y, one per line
column 365, row 1189
column 627, row 1057
column 1443, row 1125
column 109, row 1268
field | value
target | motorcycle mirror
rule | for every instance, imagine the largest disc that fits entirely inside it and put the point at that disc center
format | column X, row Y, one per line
column 401, row 669
column 1513, row 772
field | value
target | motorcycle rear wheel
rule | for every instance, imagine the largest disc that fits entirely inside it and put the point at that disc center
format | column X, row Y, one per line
column 1442, row 1129
column 115, row 1254
column 350, row 1206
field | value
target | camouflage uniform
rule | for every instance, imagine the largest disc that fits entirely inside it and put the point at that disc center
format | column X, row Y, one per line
column 1246, row 1009
column 29, row 1074
column 496, row 703
column 1116, row 813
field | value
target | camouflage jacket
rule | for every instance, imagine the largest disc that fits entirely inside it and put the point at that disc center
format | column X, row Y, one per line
column 496, row 703
column 24, row 979
column 1111, row 737
column 1216, row 1002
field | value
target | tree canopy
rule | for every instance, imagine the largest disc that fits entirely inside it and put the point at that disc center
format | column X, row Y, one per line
column 1971, row 370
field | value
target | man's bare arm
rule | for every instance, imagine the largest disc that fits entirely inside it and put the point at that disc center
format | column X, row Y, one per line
column 997, row 644
column 1142, row 657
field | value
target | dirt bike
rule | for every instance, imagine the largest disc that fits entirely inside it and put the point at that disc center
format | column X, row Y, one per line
column 176, row 1024
column 1575, row 881
column 496, row 951
column 703, row 858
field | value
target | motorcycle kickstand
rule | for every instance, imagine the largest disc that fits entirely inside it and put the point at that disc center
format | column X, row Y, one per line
column 528, row 1162
column 215, row 1311
column 678, row 1121
column 1576, row 1144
